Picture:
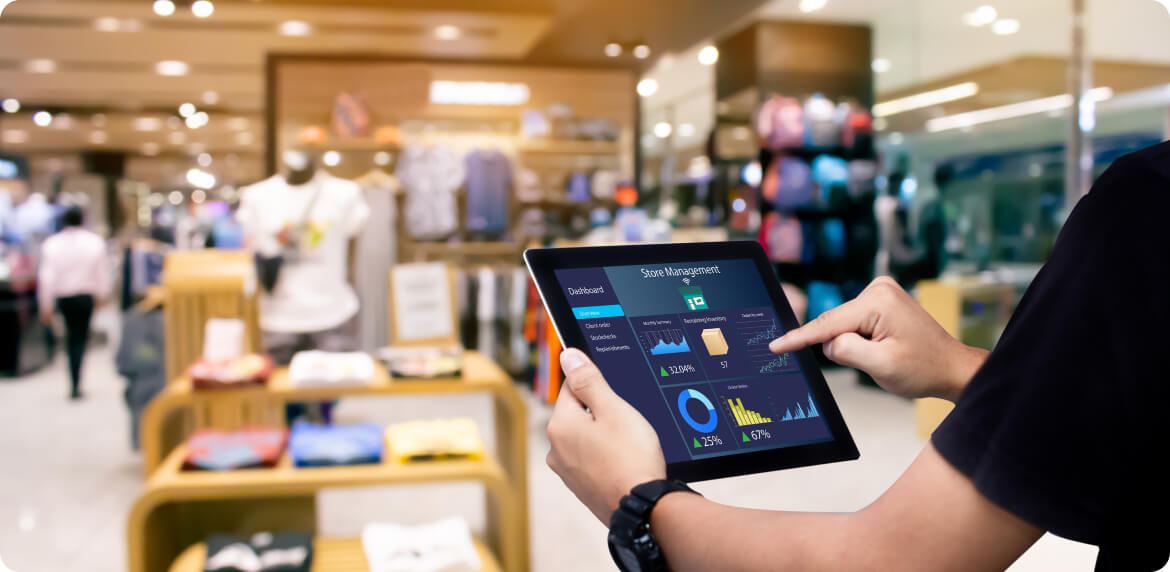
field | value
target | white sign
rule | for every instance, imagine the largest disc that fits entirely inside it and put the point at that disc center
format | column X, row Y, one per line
column 422, row 302
column 223, row 339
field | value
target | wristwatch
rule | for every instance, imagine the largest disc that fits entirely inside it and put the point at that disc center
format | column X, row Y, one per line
column 632, row 546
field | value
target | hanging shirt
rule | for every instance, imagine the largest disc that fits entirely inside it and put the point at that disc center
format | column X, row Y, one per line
column 430, row 176
column 73, row 262
column 489, row 190
column 1065, row 424
column 312, row 292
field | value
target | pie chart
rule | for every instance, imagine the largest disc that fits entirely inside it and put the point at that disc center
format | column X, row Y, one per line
column 712, row 420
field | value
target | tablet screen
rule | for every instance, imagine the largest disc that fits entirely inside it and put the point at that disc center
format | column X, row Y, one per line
column 687, row 345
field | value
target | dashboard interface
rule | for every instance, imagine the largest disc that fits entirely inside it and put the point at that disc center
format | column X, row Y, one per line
column 687, row 345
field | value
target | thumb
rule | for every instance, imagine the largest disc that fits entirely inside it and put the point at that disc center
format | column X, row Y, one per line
column 852, row 350
column 585, row 381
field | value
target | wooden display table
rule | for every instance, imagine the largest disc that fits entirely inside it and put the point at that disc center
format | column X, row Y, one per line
column 179, row 508
column 329, row 555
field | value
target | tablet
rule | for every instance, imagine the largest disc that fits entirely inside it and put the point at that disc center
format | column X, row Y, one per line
column 681, row 332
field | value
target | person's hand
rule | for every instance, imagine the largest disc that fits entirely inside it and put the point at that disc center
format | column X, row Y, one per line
column 601, row 446
column 886, row 334
column 46, row 317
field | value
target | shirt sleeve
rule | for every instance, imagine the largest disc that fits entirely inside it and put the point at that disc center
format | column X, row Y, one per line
column 1064, row 424
column 46, row 277
column 358, row 213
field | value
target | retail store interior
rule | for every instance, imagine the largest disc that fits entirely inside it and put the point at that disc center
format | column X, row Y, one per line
column 261, row 274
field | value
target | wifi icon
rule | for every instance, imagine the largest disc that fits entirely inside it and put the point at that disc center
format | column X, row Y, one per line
column 686, row 281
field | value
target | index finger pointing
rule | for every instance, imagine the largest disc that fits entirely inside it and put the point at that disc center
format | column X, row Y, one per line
column 839, row 320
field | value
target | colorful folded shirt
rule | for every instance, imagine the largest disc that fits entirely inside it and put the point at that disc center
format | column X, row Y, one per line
column 317, row 368
column 312, row 445
column 440, row 439
column 442, row 546
column 262, row 552
column 212, row 450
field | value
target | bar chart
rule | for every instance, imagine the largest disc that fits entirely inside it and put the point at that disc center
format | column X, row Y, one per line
column 745, row 417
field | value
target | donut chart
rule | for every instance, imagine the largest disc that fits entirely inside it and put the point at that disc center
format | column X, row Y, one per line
column 712, row 420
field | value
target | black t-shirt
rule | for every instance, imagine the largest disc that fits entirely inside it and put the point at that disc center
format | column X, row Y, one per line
column 1065, row 425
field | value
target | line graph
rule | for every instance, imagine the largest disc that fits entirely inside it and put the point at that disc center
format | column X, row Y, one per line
column 755, row 335
column 663, row 342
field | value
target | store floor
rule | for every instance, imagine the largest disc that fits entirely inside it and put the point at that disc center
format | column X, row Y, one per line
column 68, row 478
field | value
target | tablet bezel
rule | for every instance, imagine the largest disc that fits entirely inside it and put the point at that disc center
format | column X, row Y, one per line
column 543, row 261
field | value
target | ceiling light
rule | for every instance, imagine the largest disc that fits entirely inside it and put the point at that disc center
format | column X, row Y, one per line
column 198, row 196
column 15, row 136
column 177, row 137
column 381, row 158
column 202, row 8
column 42, row 118
column 62, row 121
column 150, row 149
column 662, row 130
column 187, row 110
column 171, row 68
column 243, row 138
column 200, row 178
column 164, row 7
column 331, row 158
column 10, row 105
column 448, row 32
column 210, row 97
column 925, row 99
column 197, row 120
column 1165, row 4
column 147, row 124
column 40, row 65
column 647, row 87
column 880, row 65
column 204, row 160
column 1030, row 107
column 807, row 6
column 708, row 55
column 478, row 93
column 641, row 51
column 1005, row 27
column 116, row 25
column 295, row 28
column 98, row 137
column 613, row 49
column 981, row 16
column 686, row 129
column 176, row 197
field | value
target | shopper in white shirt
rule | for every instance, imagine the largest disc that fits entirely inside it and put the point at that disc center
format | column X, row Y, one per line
column 73, row 278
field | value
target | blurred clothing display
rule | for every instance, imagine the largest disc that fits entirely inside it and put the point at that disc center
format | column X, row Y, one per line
column 377, row 251
column 309, row 226
column 442, row 546
column 430, row 177
column 312, row 445
column 820, row 128
column 489, row 191
column 262, row 552
column 253, row 447
column 578, row 189
column 794, row 184
column 439, row 439
column 780, row 123
column 314, row 368
column 141, row 359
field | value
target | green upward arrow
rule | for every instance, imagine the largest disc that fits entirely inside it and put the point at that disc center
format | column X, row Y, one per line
column 745, row 437
column 697, row 445
column 662, row 372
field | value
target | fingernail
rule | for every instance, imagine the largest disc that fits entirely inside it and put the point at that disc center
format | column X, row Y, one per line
column 774, row 342
column 571, row 359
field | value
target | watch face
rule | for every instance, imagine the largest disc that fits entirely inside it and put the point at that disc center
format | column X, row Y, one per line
column 628, row 559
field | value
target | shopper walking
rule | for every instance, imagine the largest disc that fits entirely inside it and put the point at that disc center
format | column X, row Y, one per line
column 74, row 278
column 1062, row 428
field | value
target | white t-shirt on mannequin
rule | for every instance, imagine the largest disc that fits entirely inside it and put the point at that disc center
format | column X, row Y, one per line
column 312, row 292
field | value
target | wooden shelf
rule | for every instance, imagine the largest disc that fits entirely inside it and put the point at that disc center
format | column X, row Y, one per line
column 329, row 555
column 569, row 147
column 353, row 144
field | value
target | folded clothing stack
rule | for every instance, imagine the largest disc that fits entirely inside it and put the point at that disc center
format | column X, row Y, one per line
column 262, row 552
column 442, row 546
column 312, row 445
column 440, row 439
column 317, row 368
column 243, row 371
column 212, row 450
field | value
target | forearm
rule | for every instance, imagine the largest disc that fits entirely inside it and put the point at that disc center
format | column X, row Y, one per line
column 698, row 534
column 967, row 360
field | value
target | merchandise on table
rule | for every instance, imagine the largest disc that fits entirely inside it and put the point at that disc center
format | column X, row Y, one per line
column 262, row 552
column 312, row 445
column 423, row 362
column 244, row 371
column 254, row 447
column 318, row 368
column 442, row 546
column 440, row 439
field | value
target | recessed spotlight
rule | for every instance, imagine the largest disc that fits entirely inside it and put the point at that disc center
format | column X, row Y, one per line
column 15, row 136
column 448, row 32
column 98, row 137
column 62, row 121
column 807, row 6
column 647, row 87
column 238, row 123
column 200, row 178
column 10, row 105
column 331, row 158
column 613, row 49
column 641, row 51
column 708, row 55
column 981, row 16
column 197, row 120
column 150, row 149
column 686, row 129
column 176, row 197
column 164, row 7
column 210, row 97
column 198, row 196
column 295, row 28
column 177, row 137
column 202, row 8
column 147, row 124
column 662, row 130
column 381, row 158
column 187, row 110
column 1005, row 27
column 204, row 160
column 171, row 68
column 880, row 65
column 116, row 25
column 42, row 118
column 40, row 65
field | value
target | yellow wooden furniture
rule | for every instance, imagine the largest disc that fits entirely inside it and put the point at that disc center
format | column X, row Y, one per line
column 178, row 508
column 329, row 555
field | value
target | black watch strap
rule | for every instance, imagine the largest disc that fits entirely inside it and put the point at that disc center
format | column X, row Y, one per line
column 629, row 527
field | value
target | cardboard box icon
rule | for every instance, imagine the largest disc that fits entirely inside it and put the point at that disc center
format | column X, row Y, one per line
column 715, row 342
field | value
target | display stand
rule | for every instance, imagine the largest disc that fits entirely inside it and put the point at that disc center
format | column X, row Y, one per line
column 329, row 555
column 179, row 508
